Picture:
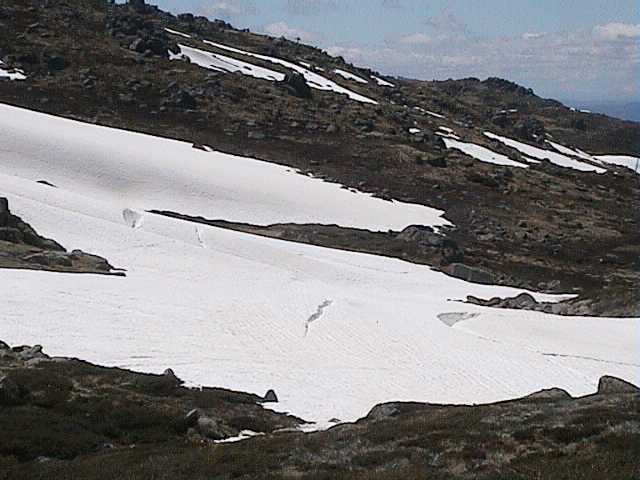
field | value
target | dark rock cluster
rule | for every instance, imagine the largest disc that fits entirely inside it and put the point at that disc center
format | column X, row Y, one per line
column 22, row 247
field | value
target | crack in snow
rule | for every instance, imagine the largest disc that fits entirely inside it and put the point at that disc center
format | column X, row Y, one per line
column 534, row 350
column 582, row 357
column 316, row 315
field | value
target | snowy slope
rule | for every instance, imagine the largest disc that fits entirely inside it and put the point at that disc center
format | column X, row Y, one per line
column 142, row 172
column 332, row 332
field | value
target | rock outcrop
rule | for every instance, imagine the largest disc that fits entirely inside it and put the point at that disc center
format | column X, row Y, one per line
column 22, row 247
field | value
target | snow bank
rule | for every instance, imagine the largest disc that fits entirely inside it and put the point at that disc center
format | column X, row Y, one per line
column 541, row 154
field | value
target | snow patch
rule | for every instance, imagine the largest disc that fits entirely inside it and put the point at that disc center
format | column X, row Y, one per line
column 313, row 79
column 622, row 160
column 175, row 32
column 223, row 63
column 349, row 76
column 382, row 82
column 14, row 74
column 481, row 153
column 434, row 114
column 244, row 435
column 541, row 154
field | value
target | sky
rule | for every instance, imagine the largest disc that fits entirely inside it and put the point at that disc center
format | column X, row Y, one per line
column 564, row 49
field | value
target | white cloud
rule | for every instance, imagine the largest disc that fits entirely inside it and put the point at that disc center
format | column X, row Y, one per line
column 576, row 64
column 416, row 39
column 304, row 7
column 282, row 29
column 617, row 31
column 227, row 9
column 533, row 36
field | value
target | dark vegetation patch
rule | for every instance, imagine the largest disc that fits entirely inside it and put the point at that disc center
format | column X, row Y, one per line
column 71, row 419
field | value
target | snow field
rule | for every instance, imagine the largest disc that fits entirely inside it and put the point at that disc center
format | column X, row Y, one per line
column 333, row 332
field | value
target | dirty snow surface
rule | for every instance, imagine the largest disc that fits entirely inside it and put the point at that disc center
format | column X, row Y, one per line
column 333, row 332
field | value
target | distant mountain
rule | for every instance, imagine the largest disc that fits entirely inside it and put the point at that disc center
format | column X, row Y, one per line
column 622, row 110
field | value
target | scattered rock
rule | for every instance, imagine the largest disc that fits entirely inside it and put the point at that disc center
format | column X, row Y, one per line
column 297, row 85
column 56, row 63
column 270, row 397
column 383, row 411
column 470, row 274
column 191, row 418
column 10, row 393
column 4, row 211
column 421, row 235
column 256, row 135
column 171, row 376
column 438, row 162
column 208, row 427
column 550, row 394
column 26, row 353
column 609, row 384
column 49, row 259
column 137, row 5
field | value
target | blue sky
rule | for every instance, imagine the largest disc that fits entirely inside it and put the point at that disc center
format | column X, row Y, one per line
column 567, row 49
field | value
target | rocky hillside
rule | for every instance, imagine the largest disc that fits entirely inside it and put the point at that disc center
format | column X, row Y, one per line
column 21, row 247
column 543, row 227
column 62, row 418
